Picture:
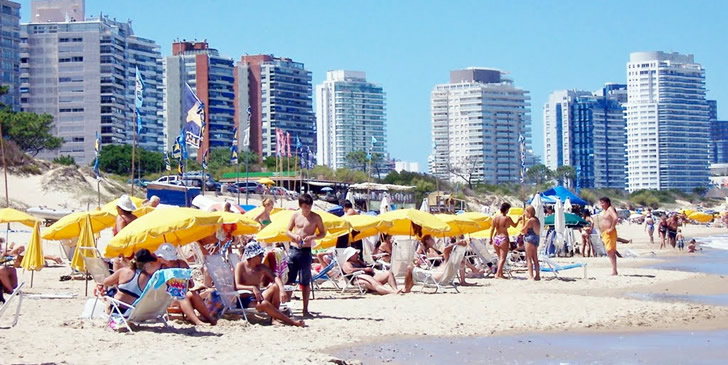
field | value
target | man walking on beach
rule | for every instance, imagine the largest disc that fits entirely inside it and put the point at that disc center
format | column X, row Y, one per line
column 305, row 227
column 608, row 226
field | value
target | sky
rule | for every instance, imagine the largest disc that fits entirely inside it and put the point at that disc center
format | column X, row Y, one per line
column 410, row 46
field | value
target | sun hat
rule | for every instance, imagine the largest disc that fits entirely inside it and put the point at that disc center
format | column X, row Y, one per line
column 167, row 252
column 349, row 252
column 126, row 204
column 253, row 249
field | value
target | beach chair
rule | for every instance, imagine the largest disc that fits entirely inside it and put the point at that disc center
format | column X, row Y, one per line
column 18, row 292
column 403, row 253
column 324, row 276
column 487, row 260
column 350, row 280
column 549, row 265
column 450, row 271
column 367, row 249
column 164, row 287
column 99, row 271
column 224, row 279
column 234, row 259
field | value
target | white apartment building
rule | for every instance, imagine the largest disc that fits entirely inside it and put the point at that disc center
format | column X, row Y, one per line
column 477, row 120
column 350, row 111
column 557, row 113
column 668, row 128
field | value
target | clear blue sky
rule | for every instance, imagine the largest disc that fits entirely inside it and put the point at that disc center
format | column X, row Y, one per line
column 410, row 46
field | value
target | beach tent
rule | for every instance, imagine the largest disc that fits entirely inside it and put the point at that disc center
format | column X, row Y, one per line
column 562, row 194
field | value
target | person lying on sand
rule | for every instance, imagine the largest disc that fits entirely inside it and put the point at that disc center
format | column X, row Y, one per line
column 251, row 274
column 372, row 280
column 418, row 275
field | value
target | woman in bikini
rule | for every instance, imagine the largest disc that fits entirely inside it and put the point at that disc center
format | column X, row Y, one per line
column 650, row 225
column 587, row 248
column 662, row 230
column 499, row 236
column 264, row 217
column 131, row 280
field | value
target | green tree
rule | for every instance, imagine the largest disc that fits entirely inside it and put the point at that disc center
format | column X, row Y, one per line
column 357, row 160
column 30, row 131
column 116, row 159
column 538, row 174
column 64, row 160
column 565, row 174
column 270, row 162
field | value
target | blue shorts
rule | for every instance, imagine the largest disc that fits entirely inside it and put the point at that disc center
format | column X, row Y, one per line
column 299, row 265
column 246, row 300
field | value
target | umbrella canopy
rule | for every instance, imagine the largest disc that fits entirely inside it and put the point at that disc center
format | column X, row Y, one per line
column 538, row 207
column 254, row 212
column 33, row 255
column 402, row 220
column 425, row 207
column 85, row 240
column 266, row 181
column 362, row 226
column 561, row 193
column 570, row 220
column 483, row 220
column 700, row 217
column 559, row 224
column 459, row 224
column 515, row 211
column 512, row 231
column 276, row 231
column 177, row 226
column 140, row 211
column 243, row 224
column 327, row 189
column 567, row 205
column 10, row 215
column 350, row 197
column 70, row 226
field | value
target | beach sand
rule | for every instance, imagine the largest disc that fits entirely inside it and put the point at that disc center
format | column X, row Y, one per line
column 49, row 330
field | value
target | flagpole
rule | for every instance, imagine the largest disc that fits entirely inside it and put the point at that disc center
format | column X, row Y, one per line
column 247, row 177
column 203, row 173
column 133, row 151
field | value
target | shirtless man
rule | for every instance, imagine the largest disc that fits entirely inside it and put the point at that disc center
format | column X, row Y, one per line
column 251, row 274
column 501, row 242
column 305, row 227
column 349, row 208
column 608, row 226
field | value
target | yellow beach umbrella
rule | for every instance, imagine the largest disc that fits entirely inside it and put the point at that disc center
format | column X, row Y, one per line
column 140, row 211
column 700, row 217
column 266, row 181
column 10, row 215
column 69, row 226
column 361, row 224
column 276, row 231
column 254, row 212
column 458, row 224
column 243, row 224
column 483, row 220
column 515, row 211
column 402, row 220
column 33, row 256
column 512, row 231
column 85, row 242
column 178, row 226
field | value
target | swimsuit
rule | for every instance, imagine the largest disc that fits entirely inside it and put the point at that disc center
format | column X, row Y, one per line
column 610, row 240
column 531, row 237
column 299, row 264
column 500, row 239
column 131, row 287
column 265, row 222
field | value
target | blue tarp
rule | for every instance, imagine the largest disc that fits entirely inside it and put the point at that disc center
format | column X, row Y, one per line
column 544, row 200
column 336, row 210
column 563, row 193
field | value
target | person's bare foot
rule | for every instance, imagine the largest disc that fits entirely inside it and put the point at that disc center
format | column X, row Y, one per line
column 307, row 314
column 466, row 284
column 538, row 278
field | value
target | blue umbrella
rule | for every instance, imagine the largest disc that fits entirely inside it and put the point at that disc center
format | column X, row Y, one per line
column 327, row 189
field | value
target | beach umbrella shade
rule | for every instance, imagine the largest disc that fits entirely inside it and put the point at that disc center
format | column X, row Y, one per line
column 402, row 220
column 69, row 227
column 350, row 197
column 266, row 181
column 10, row 215
column 570, row 220
column 362, row 226
column 512, row 231
column 140, row 211
column 178, row 226
column 537, row 205
column 84, row 245
column 515, row 211
column 243, row 224
column 33, row 256
column 484, row 221
column 700, row 217
column 425, row 206
column 327, row 189
column 459, row 224
column 276, row 231
column 254, row 212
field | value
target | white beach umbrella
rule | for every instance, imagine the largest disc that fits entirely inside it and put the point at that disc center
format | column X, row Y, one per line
column 425, row 207
column 538, row 207
column 559, row 224
column 567, row 205
column 350, row 197
column 384, row 206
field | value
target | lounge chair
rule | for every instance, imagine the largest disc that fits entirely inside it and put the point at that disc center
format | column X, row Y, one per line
column 487, row 260
column 18, row 292
column 163, row 288
column 234, row 259
column 99, row 271
column 224, row 279
column 350, row 280
column 371, row 259
column 403, row 253
column 450, row 270
column 549, row 265
column 324, row 276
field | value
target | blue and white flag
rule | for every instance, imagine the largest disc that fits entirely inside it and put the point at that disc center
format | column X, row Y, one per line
column 234, row 148
column 182, row 145
column 177, row 149
column 522, row 142
column 298, row 143
column 194, row 119
column 311, row 162
column 97, row 148
column 167, row 165
column 374, row 140
column 204, row 159
column 138, row 100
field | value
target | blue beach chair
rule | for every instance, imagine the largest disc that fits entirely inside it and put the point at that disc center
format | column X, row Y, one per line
column 549, row 265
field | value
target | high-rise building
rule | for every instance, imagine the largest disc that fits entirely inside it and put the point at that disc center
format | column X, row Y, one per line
column 587, row 131
column 278, row 92
column 668, row 131
column 57, row 11
column 477, row 121
column 10, row 52
column 718, row 135
column 350, row 115
column 212, row 78
column 82, row 72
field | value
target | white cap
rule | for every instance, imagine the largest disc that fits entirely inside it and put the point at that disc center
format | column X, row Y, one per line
column 167, row 252
column 349, row 252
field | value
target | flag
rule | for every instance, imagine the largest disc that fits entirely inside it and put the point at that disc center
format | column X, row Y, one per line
column 167, row 165
column 279, row 142
column 301, row 160
column 138, row 99
column 204, row 159
column 180, row 166
column 246, row 132
column 177, row 149
column 182, row 145
column 195, row 118
column 97, row 148
column 288, row 144
column 298, row 143
column 374, row 140
column 311, row 162
column 234, row 148
column 522, row 141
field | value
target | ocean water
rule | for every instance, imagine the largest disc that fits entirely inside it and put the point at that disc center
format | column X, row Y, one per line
column 711, row 259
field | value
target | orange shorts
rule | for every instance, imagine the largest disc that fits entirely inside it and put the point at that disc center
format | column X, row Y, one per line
column 610, row 240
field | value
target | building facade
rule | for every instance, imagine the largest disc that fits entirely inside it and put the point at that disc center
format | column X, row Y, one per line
column 350, row 115
column 587, row 131
column 82, row 73
column 279, row 93
column 10, row 53
column 477, row 121
column 668, row 127
column 212, row 78
column 718, row 135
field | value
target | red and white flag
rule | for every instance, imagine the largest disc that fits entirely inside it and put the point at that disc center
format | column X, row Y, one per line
column 288, row 144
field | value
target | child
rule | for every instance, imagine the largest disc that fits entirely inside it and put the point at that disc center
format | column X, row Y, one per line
column 691, row 246
column 680, row 240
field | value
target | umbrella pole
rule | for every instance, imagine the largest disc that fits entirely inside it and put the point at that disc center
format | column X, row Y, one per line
column 32, row 274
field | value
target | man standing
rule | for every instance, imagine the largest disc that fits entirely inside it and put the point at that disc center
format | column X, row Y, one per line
column 305, row 227
column 349, row 208
column 608, row 226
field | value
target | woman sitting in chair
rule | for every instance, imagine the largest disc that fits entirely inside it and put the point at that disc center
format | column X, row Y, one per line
column 131, row 280
column 383, row 249
column 372, row 280
column 429, row 255
column 418, row 275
